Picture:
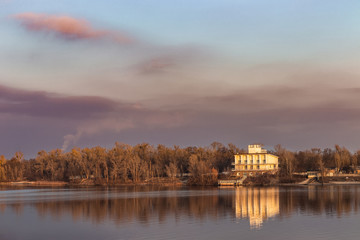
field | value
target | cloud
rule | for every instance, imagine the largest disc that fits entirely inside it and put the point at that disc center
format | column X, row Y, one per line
column 43, row 104
column 168, row 60
column 117, row 122
column 88, row 115
column 94, row 127
column 67, row 27
column 134, row 118
column 300, row 116
column 303, row 116
column 156, row 65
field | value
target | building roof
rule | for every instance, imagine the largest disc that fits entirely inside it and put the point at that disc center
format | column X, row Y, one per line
column 255, row 154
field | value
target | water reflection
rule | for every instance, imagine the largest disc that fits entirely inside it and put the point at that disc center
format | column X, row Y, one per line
column 257, row 204
column 317, row 200
column 157, row 205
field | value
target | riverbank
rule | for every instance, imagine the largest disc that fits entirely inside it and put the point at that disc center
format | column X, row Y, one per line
column 274, row 180
column 91, row 182
column 35, row 183
column 249, row 181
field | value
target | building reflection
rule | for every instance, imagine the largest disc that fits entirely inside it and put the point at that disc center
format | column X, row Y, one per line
column 257, row 204
column 148, row 204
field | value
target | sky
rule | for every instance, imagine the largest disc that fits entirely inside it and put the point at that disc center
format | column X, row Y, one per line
column 188, row 73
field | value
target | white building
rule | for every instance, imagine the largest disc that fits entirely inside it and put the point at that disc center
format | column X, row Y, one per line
column 255, row 160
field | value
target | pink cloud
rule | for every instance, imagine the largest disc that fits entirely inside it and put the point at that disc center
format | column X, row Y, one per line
column 67, row 27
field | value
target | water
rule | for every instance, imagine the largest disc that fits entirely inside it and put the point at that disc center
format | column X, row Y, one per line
column 330, row 212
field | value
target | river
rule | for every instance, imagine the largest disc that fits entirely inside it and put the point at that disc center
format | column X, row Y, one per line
column 143, row 212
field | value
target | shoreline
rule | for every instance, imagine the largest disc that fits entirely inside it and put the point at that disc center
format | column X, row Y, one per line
column 163, row 183
column 69, row 184
column 317, row 184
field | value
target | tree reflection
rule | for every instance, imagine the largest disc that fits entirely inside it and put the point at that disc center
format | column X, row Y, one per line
column 147, row 205
column 316, row 200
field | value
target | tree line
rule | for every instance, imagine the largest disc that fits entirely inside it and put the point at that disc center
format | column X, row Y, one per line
column 340, row 159
column 124, row 163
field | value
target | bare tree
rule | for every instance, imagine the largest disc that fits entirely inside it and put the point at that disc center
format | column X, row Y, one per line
column 2, row 168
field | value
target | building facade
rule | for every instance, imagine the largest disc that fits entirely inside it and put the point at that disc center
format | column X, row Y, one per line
column 254, row 161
